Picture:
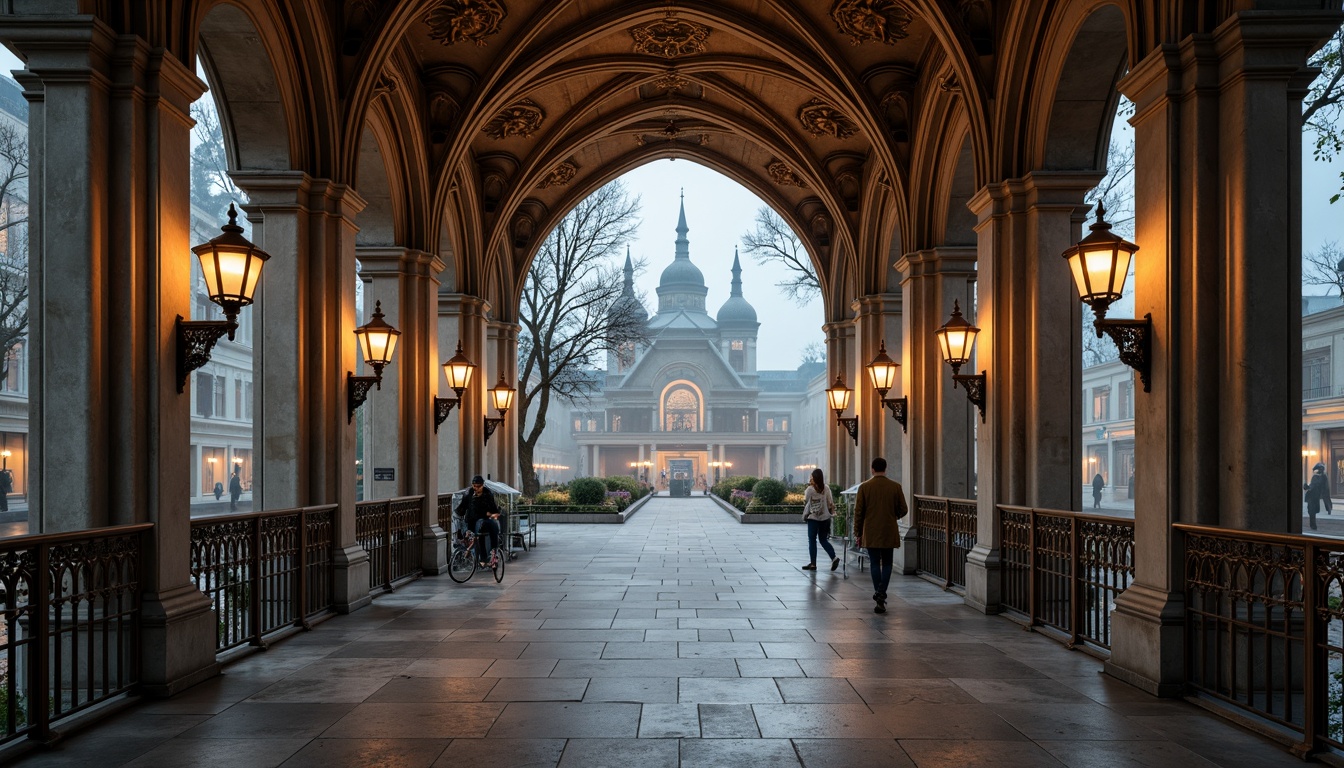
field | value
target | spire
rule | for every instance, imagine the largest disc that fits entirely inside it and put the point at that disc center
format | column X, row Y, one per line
column 629, row 289
column 683, row 245
column 737, row 275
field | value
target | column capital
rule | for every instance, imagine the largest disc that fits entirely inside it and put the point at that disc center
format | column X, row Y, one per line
column 273, row 189
column 945, row 260
column 878, row 304
column 62, row 48
column 1037, row 190
column 463, row 304
column 396, row 260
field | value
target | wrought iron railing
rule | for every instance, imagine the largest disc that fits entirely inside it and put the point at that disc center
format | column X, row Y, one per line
column 1063, row 570
column 390, row 531
column 946, row 529
column 264, row 571
column 71, row 632
column 1265, row 628
column 446, row 511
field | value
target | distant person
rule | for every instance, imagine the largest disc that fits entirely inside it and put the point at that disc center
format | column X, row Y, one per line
column 1317, row 491
column 1130, row 488
column 481, row 513
column 235, row 489
column 1098, row 482
column 818, row 507
column 6, row 488
column 219, row 490
column 879, row 504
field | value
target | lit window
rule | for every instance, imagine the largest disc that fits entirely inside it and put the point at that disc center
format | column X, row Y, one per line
column 1101, row 403
column 615, row 423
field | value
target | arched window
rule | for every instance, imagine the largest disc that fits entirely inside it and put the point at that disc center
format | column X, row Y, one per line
column 681, row 411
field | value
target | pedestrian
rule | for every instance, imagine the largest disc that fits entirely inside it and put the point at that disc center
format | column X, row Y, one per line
column 880, row 503
column 219, row 490
column 1317, row 490
column 235, row 489
column 1098, row 482
column 1130, row 491
column 818, row 507
column 6, row 488
column 481, row 513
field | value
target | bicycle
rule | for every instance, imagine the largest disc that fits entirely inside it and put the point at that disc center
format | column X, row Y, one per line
column 462, row 560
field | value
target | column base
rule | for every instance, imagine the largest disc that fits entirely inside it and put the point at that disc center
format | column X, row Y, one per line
column 905, row 560
column 177, row 641
column 984, row 580
column 350, row 581
column 1148, row 640
column 434, row 550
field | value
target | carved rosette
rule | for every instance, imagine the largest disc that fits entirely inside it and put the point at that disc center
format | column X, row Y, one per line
column 783, row 175
column 882, row 21
column 559, row 176
column 521, row 119
column 456, row 21
column 821, row 119
column 670, row 82
column 670, row 37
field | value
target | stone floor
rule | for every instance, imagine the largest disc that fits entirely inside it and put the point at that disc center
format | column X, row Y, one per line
column 678, row 639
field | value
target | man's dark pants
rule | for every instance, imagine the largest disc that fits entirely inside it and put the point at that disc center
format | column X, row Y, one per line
column 486, row 527
column 880, row 565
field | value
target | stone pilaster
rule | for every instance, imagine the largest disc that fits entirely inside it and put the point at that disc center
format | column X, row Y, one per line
column 840, row 360
column 461, row 439
column 879, row 318
column 502, row 351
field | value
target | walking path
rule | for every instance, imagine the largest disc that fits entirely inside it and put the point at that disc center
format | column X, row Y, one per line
column 678, row 639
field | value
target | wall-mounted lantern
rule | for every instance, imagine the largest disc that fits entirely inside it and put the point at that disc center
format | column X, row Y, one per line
column 501, row 395
column 956, row 339
column 231, row 265
column 883, row 373
column 458, row 370
column 838, row 397
column 377, row 342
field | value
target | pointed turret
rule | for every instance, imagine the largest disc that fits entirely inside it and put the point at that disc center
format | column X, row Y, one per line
column 681, row 288
column 737, row 311
column 627, row 297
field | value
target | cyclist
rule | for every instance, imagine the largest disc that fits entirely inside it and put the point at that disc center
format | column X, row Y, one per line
column 481, row 513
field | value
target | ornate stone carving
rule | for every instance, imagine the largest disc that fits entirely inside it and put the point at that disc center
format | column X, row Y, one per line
column 387, row 84
column 949, row 83
column 820, row 118
column 521, row 119
column 671, row 81
column 559, row 176
column 883, row 21
column 456, row 21
column 670, row 37
column 783, row 175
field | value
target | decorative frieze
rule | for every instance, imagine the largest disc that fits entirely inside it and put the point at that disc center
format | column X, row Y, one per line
column 456, row 21
column 882, row 21
column 670, row 37
column 559, row 176
column 783, row 175
column 822, row 119
column 521, row 119
column 671, row 81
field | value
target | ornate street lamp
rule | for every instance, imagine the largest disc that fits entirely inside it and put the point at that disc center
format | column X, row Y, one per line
column 458, row 369
column 231, row 265
column 502, row 396
column 883, row 373
column 1100, row 265
column 956, row 339
column 377, row 342
column 838, row 397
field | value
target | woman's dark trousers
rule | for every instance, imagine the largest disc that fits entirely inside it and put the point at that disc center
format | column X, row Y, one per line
column 819, row 529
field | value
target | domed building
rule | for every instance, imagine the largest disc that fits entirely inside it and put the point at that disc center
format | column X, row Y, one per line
column 692, row 401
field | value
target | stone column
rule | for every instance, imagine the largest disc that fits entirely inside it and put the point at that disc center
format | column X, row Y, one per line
column 1218, row 436
column 403, row 428
column 461, row 440
column 842, row 452
column 109, row 140
column 1030, row 320
column 502, row 350
column 879, row 319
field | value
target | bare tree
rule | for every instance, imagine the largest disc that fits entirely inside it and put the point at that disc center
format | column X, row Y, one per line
column 813, row 352
column 774, row 242
column 570, row 314
column 14, row 237
column 1321, row 268
column 1321, row 109
column 212, row 189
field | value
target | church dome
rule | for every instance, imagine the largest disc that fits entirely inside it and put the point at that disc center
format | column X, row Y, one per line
column 681, row 274
column 737, row 310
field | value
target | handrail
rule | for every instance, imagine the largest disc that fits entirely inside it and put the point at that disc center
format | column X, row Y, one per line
column 947, row 533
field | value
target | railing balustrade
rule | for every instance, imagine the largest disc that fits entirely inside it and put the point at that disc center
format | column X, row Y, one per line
column 946, row 529
column 263, row 571
column 1063, row 570
column 1265, row 628
column 446, row 512
column 390, row 530
column 71, row 632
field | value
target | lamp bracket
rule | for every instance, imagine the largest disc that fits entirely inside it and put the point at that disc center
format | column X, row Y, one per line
column 490, row 426
column 442, row 407
column 195, row 339
column 899, row 407
column 851, row 426
column 1134, row 340
column 357, row 391
column 975, row 384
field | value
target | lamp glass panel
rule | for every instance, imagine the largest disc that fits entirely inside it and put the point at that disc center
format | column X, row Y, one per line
column 883, row 374
column 503, row 397
column 378, row 345
column 957, row 343
column 839, row 397
column 458, row 373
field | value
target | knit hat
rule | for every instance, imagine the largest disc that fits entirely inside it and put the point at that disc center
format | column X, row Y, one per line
column 1319, row 467
column 478, row 480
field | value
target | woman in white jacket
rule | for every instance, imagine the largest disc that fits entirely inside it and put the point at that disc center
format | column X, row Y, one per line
column 818, row 506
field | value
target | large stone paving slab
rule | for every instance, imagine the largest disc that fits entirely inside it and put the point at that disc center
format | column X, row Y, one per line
column 678, row 639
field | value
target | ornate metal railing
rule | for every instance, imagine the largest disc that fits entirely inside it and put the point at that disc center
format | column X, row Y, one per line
column 390, row 531
column 446, row 511
column 946, row 529
column 71, row 632
column 1063, row 570
column 1265, row 628
column 264, row 571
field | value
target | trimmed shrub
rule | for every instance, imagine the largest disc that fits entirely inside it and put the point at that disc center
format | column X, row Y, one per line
column 587, row 490
column 793, row 499
column 621, row 499
column 557, row 498
column 744, row 482
column 630, row 485
column 740, row 499
column 769, row 491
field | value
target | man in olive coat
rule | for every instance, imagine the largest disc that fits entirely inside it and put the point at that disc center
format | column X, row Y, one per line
column 878, row 507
